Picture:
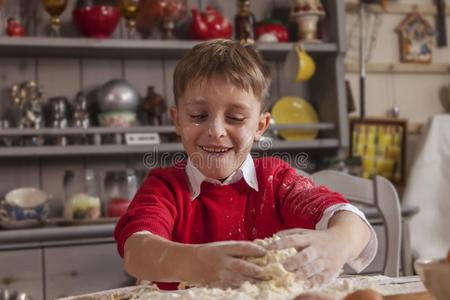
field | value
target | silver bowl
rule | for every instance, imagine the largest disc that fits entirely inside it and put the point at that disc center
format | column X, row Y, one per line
column 117, row 95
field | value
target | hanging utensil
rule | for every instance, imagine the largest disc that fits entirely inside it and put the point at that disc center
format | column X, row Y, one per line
column 441, row 23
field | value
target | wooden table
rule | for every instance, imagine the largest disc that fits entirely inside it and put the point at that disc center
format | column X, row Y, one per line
column 408, row 287
column 400, row 288
column 412, row 296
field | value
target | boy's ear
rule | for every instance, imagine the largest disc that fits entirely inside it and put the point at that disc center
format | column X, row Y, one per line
column 263, row 124
column 174, row 117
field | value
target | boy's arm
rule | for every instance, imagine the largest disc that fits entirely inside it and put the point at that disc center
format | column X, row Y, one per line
column 322, row 254
column 361, row 261
column 154, row 258
column 146, row 257
column 352, row 231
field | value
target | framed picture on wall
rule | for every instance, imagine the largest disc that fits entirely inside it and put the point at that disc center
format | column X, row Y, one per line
column 381, row 145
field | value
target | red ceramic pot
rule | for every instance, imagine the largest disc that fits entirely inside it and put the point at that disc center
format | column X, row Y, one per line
column 96, row 21
column 209, row 24
column 272, row 27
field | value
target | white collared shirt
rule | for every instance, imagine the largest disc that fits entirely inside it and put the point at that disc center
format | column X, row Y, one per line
column 246, row 170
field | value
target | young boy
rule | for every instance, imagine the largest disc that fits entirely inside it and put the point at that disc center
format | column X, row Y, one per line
column 195, row 221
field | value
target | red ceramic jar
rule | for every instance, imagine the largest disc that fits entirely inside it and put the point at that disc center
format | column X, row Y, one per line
column 116, row 207
column 96, row 21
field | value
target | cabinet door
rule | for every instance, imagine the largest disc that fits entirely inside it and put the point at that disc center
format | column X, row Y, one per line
column 84, row 269
column 21, row 270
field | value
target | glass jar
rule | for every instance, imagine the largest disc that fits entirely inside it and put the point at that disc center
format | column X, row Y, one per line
column 119, row 189
column 81, row 202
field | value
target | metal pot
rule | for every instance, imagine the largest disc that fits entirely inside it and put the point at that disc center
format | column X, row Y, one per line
column 13, row 295
column 117, row 95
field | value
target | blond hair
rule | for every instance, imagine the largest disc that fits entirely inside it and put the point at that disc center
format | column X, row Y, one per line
column 240, row 64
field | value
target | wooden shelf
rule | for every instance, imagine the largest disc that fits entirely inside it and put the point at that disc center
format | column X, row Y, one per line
column 400, row 68
column 113, row 48
column 136, row 129
column 74, row 150
column 396, row 8
column 81, row 150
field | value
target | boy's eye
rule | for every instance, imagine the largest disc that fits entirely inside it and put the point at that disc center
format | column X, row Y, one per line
column 236, row 118
column 198, row 117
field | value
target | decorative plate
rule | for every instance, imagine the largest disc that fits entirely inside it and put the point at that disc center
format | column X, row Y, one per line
column 292, row 111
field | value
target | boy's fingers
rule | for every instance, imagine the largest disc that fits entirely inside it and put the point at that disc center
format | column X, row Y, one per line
column 303, row 259
column 290, row 241
column 248, row 269
column 309, row 270
column 244, row 249
column 292, row 231
column 319, row 279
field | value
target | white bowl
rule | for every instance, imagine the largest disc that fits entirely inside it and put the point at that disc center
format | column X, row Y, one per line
column 435, row 275
column 25, row 203
column 26, row 197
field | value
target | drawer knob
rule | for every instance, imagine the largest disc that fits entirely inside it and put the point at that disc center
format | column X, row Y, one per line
column 74, row 273
column 7, row 280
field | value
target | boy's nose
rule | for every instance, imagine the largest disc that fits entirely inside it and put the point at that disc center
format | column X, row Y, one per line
column 216, row 128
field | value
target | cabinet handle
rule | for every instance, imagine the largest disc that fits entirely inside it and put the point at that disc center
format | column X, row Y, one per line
column 7, row 280
column 73, row 273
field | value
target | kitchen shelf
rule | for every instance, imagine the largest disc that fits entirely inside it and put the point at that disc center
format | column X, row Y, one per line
column 80, row 150
column 50, row 150
column 137, row 129
column 113, row 48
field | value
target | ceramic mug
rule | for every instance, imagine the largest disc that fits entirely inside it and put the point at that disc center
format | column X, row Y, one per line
column 24, row 204
column 299, row 65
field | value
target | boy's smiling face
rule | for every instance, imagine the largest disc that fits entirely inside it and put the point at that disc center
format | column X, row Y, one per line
column 218, row 123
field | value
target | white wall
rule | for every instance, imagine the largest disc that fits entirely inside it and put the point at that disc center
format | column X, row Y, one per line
column 415, row 94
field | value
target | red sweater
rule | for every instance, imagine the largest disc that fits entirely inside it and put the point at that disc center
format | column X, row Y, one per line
column 164, row 206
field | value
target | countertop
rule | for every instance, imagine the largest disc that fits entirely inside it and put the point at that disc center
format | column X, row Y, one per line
column 56, row 236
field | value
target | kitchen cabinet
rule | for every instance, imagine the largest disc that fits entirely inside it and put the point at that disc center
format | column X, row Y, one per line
column 66, row 65
column 22, row 271
column 55, row 272
column 77, row 270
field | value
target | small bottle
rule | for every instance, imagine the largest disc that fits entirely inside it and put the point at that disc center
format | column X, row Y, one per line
column 244, row 23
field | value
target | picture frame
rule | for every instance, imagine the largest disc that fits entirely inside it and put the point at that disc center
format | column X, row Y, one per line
column 415, row 39
column 381, row 145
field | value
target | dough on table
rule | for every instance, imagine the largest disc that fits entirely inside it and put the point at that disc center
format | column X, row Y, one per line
column 280, row 284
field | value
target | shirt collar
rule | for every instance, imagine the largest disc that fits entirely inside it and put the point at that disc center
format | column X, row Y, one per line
column 246, row 170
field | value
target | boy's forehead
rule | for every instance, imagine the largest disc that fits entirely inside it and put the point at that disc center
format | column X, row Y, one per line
column 238, row 103
column 215, row 84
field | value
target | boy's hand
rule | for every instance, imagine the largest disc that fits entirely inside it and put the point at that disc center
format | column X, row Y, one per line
column 223, row 264
column 321, row 254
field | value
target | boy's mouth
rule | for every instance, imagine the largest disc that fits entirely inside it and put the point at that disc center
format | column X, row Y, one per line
column 215, row 150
